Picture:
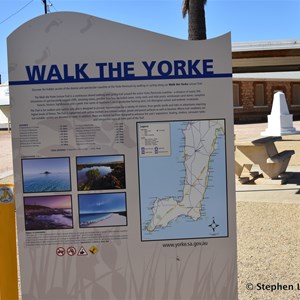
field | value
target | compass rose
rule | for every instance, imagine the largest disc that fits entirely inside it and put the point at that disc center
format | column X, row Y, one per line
column 213, row 225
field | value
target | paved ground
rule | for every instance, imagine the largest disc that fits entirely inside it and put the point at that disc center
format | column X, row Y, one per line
column 5, row 154
column 268, row 218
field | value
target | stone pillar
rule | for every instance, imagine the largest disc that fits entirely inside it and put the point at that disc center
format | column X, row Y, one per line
column 280, row 121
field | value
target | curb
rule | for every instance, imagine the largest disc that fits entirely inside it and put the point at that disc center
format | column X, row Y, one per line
column 6, row 174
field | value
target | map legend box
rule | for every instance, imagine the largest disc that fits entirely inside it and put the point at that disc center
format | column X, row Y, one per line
column 154, row 139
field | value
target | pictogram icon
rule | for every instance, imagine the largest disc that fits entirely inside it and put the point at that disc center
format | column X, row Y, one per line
column 93, row 249
column 82, row 252
column 60, row 251
column 71, row 251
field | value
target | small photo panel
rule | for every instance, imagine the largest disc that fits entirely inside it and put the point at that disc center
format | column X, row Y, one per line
column 100, row 172
column 48, row 212
column 101, row 210
column 42, row 175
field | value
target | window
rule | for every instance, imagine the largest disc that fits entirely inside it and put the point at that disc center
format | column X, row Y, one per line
column 296, row 93
column 276, row 89
column 236, row 95
column 259, row 94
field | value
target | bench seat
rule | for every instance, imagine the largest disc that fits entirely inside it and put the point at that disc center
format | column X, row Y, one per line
column 286, row 154
column 257, row 142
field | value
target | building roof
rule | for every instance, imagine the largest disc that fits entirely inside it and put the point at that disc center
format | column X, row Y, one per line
column 271, row 76
column 265, row 45
column 266, row 56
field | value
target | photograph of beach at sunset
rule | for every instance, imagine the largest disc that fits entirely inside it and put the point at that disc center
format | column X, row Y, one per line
column 48, row 212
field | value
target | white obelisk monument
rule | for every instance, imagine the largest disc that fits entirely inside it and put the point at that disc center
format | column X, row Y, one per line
column 280, row 121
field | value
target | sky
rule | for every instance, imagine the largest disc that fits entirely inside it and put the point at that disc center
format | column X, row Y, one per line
column 99, row 159
column 101, row 203
column 60, row 201
column 247, row 20
column 38, row 166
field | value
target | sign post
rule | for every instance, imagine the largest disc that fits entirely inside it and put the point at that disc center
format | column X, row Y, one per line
column 123, row 161
column 8, row 257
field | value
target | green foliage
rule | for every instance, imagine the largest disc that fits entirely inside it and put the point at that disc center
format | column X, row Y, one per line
column 93, row 174
column 113, row 180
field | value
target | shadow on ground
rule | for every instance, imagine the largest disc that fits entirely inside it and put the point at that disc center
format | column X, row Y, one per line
column 294, row 179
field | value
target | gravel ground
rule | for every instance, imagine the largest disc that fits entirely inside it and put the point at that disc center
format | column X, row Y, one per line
column 268, row 249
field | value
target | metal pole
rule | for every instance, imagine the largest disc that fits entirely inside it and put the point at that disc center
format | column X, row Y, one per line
column 45, row 6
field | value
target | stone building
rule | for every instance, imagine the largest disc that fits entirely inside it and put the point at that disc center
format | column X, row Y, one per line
column 4, row 107
column 259, row 70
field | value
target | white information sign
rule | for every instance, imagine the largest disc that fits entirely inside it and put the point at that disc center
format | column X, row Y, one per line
column 123, row 162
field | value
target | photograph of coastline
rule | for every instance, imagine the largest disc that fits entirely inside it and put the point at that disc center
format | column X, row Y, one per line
column 100, row 172
column 46, row 175
column 100, row 210
column 48, row 212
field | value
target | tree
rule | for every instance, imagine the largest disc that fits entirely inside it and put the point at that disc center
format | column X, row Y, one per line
column 196, row 18
column 93, row 175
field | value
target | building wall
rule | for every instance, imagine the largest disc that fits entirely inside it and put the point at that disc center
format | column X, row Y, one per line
column 253, row 98
column 4, row 117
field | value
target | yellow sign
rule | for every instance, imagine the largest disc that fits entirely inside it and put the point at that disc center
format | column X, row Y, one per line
column 6, row 193
column 93, row 250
